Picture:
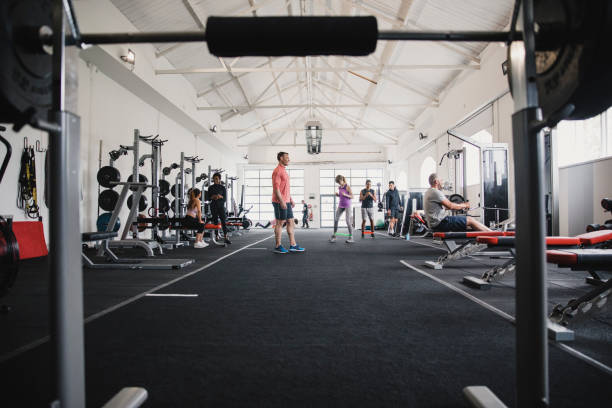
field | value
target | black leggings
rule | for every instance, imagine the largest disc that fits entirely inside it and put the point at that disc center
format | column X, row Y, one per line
column 192, row 223
column 218, row 213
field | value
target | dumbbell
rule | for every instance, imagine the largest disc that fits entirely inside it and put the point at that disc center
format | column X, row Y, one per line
column 166, row 170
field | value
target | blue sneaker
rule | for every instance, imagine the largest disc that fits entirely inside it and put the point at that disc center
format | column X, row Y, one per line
column 296, row 248
column 280, row 250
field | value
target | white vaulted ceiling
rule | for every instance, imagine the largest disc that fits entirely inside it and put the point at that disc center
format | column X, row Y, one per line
column 266, row 101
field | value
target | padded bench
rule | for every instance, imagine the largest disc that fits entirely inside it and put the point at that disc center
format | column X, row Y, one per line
column 467, row 245
column 585, row 259
column 97, row 236
column 509, row 241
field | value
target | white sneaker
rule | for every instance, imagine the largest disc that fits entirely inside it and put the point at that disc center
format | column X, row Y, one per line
column 200, row 244
column 350, row 240
column 332, row 239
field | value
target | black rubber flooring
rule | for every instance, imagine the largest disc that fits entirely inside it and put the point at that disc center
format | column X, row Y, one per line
column 338, row 325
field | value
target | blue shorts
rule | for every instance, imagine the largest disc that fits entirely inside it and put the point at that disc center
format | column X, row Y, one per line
column 281, row 214
column 450, row 223
column 394, row 212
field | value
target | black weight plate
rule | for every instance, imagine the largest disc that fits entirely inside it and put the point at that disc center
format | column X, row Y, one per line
column 108, row 174
column 172, row 204
column 142, row 204
column 25, row 68
column 108, row 199
column 174, row 188
column 456, row 198
column 576, row 72
column 164, row 205
column 141, row 179
column 164, row 187
column 9, row 257
column 166, row 171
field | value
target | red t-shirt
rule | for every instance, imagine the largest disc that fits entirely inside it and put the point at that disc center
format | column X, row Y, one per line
column 280, row 181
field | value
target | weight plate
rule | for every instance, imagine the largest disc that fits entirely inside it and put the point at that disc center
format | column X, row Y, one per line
column 108, row 199
column 174, row 189
column 164, row 205
column 103, row 220
column 9, row 257
column 166, row 171
column 164, row 187
column 25, row 71
column 142, row 204
column 108, row 174
column 456, row 198
column 141, row 179
column 574, row 72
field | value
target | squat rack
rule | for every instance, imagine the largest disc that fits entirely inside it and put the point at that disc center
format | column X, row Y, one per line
column 66, row 268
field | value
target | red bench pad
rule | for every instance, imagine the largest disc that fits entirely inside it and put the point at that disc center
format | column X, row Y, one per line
column 595, row 237
column 472, row 234
column 31, row 239
column 581, row 257
column 212, row 226
column 509, row 241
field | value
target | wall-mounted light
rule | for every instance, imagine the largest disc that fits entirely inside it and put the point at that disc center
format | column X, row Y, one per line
column 505, row 67
column 314, row 136
column 213, row 128
column 422, row 136
column 130, row 58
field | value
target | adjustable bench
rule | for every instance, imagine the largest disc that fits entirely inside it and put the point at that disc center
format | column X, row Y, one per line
column 117, row 263
column 463, row 244
column 590, row 239
column 590, row 260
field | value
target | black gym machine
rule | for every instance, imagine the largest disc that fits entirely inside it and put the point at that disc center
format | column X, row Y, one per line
column 574, row 34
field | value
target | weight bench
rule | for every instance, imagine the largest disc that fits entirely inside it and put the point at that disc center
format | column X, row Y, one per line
column 129, row 263
column 590, row 239
column 463, row 244
column 591, row 260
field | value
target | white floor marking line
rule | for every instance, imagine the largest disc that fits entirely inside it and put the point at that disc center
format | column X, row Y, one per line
column 95, row 316
column 187, row 295
column 565, row 347
column 258, row 248
column 463, row 293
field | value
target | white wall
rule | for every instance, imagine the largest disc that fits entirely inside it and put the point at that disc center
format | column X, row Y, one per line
column 581, row 188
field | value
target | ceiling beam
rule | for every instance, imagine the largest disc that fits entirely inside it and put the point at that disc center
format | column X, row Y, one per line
column 260, row 68
column 244, row 109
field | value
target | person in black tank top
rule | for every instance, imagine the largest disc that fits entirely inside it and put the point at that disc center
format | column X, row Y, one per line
column 217, row 195
column 367, row 196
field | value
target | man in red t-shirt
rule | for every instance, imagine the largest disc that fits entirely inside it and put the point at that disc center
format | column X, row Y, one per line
column 283, row 205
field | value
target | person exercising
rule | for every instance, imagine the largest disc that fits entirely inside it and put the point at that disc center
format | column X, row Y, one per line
column 283, row 205
column 436, row 207
column 367, row 196
column 393, row 202
column 305, row 215
column 217, row 194
column 344, row 204
column 193, row 217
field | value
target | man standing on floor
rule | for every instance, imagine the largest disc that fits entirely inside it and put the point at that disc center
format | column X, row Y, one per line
column 283, row 205
column 305, row 215
column 367, row 196
column 393, row 202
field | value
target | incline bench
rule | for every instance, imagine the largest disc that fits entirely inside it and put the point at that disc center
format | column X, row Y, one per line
column 131, row 263
column 590, row 239
column 463, row 244
column 590, row 260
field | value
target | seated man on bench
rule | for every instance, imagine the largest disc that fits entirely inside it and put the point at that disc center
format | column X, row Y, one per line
column 436, row 207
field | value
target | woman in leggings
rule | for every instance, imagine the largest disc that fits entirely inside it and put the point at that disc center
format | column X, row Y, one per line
column 193, row 218
column 345, row 195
